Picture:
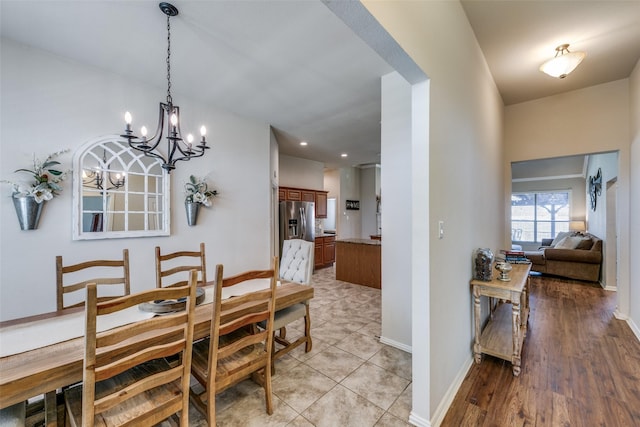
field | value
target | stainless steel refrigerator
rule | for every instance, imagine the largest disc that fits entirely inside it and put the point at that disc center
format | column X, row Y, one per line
column 297, row 221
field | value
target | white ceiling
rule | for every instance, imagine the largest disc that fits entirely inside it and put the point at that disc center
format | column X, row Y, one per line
column 298, row 67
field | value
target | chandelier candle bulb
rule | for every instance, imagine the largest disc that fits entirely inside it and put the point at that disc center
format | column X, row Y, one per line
column 127, row 120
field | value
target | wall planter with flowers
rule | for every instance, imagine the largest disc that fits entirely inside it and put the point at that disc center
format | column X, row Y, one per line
column 29, row 198
column 197, row 194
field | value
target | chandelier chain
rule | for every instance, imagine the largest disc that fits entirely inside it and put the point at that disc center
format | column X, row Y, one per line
column 169, row 99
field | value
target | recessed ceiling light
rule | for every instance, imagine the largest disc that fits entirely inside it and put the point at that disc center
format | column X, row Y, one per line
column 303, row 143
column 343, row 155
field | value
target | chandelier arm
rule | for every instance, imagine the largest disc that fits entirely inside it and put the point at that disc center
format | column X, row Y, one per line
column 157, row 136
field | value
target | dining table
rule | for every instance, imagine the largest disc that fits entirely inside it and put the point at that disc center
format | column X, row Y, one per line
column 38, row 370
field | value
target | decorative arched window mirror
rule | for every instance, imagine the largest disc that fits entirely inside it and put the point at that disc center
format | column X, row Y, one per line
column 118, row 192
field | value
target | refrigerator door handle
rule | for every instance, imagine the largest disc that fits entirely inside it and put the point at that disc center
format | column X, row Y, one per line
column 303, row 220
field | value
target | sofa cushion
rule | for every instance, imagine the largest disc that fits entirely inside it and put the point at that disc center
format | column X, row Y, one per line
column 561, row 235
column 573, row 255
column 569, row 242
column 536, row 257
column 585, row 244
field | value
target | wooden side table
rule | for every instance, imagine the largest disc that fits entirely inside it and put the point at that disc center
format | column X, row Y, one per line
column 505, row 332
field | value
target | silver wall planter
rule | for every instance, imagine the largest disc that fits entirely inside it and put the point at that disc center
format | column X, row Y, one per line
column 28, row 211
column 192, row 212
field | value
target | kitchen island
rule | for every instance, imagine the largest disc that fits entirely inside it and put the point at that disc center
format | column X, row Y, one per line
column 359, row 261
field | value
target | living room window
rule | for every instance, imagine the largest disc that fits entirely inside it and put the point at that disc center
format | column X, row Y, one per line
column 539, row 215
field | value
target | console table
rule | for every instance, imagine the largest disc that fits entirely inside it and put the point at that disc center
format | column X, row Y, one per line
column 506, row 329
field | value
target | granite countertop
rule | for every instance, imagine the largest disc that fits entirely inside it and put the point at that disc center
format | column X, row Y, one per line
column 325, row 235
column 361, row 241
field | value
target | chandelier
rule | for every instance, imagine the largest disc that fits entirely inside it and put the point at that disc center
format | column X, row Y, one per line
column 563, row 63
column 177, row 148
column 102, row 178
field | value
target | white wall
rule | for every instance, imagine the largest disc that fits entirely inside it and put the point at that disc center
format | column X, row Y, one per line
column 464, row 166
column 597, row 220
column 608, row 163
column 348, row 221
column 591, row 120
column 395, row 177
column 634, row 210
column 332, row 183
column 369, row 177
column 301, row 173
column 49, row 103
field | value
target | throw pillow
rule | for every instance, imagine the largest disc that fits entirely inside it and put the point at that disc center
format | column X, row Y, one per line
column 585, row 243
column 561, row 235
column 569, row 242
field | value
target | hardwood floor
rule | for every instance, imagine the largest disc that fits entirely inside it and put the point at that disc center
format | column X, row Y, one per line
column 580, row 366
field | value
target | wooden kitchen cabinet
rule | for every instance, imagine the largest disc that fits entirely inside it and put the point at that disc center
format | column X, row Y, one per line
column 325, row 251
column 321, row 204
column 308, row 196
column 318, row 259
column 294, row 194
column 300, row 194
column 329, row 250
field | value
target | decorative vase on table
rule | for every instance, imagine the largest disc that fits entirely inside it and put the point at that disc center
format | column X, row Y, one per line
column 28, row 211
column 192, row 209
column 483, row 258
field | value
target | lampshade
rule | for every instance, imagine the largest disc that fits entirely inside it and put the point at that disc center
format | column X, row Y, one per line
column 563, row 63
column 577, row 226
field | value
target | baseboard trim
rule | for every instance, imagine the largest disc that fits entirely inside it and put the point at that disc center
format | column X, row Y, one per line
column 634, row 328
column 610, row 288
column 448, row 397
column 417, row 420
column 396, row 344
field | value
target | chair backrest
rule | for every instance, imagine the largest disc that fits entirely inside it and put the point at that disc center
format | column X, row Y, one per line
column 129, row 348
column 297, row 261
column 173, row 269
column 116, row 280
column 241, row 332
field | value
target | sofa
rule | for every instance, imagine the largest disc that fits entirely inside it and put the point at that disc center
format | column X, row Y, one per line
column 572, row 255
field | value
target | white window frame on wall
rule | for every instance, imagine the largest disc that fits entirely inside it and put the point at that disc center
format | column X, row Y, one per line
column 535, row 221
column 160, row 227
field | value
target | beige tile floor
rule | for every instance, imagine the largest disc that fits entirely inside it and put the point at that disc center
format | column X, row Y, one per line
column 348, row 379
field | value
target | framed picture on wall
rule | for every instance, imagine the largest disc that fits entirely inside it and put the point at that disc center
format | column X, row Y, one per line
column 353, row 205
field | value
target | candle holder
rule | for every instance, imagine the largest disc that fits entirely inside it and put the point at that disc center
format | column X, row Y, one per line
column 504, row 268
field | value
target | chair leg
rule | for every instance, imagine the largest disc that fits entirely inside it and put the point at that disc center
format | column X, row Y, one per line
column 50, row 409
column 273, row 355
column 283, row 332
column 307, row 331
column 267, row 389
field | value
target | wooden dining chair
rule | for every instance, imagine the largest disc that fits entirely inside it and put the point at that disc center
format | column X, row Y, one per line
column 172, row 268
column 238, row 348
column 107, row 274
column 125, row 377
column 296, row 266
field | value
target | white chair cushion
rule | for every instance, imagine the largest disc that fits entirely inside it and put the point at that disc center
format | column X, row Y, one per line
column 287, row 315
column 297, row 261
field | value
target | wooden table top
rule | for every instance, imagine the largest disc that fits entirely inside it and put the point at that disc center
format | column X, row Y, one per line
column 38, row 371
column 518, row 274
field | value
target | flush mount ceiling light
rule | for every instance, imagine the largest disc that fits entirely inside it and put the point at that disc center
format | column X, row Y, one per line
column 177, row 148
column 563, row 63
